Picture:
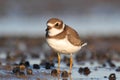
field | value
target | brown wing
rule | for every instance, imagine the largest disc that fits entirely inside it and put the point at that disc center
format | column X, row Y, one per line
column 73, row 37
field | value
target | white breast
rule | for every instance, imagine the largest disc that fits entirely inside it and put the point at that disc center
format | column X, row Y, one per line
column 63, row 45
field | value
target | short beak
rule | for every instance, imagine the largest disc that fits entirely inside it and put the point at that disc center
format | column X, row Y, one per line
column 48, row 28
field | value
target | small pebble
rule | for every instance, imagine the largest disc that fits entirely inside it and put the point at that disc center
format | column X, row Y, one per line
column 49, row 65
column 112, row 76
column 16, row 70
column 105, row 76
column 80, row 70
column 36, row 66
column 54, row 73
column 64, row 74
column 27, row 64
column 118, row 69
column 22, row 67
column 29, row 71
column 86, row 71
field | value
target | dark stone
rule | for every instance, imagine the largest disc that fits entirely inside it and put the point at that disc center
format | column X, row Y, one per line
column 22, row 67
column 86, row 71
column 118, row 69
column 54, row 73
column 29, row 71
column 27, row 64
column 112, row 76
column 80, row 70
column 16, row 70
column 105, row 76
column 36, row 66
column 49, row 65
column 64, row 74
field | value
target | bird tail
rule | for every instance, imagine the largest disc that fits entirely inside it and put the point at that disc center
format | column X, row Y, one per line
column 84, row 44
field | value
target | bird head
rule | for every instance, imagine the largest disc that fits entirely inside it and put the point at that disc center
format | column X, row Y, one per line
column 54, row 26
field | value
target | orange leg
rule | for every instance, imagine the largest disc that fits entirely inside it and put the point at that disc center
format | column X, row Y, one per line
column 71, row 62
column 59, row 59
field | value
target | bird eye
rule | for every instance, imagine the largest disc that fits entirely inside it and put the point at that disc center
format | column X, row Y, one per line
column 57, row 24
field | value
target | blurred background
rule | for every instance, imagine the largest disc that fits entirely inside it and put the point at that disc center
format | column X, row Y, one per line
column 88, row 17
column 23, row 24
column 22, row 35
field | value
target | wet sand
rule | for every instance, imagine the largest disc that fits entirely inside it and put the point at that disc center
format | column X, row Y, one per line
column 28, row 58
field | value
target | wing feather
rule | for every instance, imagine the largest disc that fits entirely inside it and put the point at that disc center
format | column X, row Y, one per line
column 73, row 37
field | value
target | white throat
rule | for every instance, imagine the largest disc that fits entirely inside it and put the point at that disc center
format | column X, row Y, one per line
column 54, row 31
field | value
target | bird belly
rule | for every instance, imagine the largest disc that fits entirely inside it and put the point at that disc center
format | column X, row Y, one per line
column 63, row 46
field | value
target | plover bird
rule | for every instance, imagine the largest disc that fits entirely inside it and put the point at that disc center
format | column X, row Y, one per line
column 63, row 39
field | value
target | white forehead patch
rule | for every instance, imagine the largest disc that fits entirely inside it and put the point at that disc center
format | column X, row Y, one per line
column 49, row 24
